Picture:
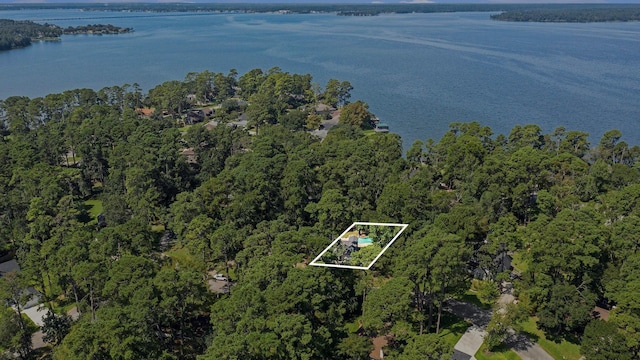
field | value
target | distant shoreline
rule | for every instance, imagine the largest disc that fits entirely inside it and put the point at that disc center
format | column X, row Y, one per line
column 571, row 13
column 579, row 15
column 509, row 12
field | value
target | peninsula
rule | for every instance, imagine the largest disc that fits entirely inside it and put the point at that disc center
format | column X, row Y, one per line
column 97, row 29
column 16, row 34
column 575, row 15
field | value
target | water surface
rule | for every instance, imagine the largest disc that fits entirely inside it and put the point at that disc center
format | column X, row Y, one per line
column 418, row 72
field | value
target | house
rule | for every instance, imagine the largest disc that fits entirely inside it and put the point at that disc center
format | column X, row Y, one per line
column 381, row 128
column 9, row 266
column 33, row 294
column 190, row 154
column 324, row 109
column 503, row 262
column 145, row 112
column 350, row 249
column 195, row 116
column 208, row 112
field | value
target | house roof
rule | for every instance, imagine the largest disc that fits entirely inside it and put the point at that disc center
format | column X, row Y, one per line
column 8, row 266
column 324, row 107
column 146, row 111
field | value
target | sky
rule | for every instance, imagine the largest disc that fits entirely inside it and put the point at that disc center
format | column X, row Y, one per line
column 321, row 1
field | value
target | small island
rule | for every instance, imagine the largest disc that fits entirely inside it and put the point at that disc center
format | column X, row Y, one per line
column 15, row 34
column 96, row 29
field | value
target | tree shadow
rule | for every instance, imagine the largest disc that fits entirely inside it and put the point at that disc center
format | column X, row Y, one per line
column 521, row 341
column 533, row 337
column 85, row 215
column 453, row 323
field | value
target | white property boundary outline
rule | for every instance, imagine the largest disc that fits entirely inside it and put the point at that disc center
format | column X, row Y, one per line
column 402, row 226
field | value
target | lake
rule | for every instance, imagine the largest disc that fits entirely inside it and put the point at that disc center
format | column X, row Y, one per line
column 418, row 72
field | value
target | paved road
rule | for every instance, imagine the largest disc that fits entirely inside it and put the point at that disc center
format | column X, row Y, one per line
column 472, row 339
column 36, row 313
column 526, row 349
column 469, row 312
column 469, row 343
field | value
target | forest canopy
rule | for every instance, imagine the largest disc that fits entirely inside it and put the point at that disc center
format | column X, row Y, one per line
column 179, row 224
column 16, row 34
column 571, row 15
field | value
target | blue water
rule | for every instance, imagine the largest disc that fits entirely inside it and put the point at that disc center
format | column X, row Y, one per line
column 418, row 72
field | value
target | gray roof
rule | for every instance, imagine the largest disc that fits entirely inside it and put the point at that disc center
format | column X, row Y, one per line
column 11, row 265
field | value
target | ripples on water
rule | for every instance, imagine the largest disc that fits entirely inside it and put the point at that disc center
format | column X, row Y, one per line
column 419, row 72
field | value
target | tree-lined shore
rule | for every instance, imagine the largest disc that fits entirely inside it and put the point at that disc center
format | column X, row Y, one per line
column 573, row 15
column 18, row 34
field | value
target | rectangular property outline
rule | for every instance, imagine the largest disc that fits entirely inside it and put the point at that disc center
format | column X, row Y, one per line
column 402, row 226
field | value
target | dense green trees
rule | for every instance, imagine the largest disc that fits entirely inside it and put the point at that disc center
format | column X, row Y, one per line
column 16, row 331
column 258, row 206
column 594, row 14
column 16, row 34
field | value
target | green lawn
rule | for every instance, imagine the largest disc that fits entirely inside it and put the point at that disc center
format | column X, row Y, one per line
column 452, row 328
column 184, row 128
column 564, row 350
column 470, row 297
column 94, row 208
column 181, row 257
column 518, row 263
column 501, row 353
column 353, row 326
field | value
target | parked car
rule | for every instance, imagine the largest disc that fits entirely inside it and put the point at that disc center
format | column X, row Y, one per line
column 220, row 277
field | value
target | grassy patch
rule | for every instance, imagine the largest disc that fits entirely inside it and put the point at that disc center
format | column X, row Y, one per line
column 518, row 262
column 94, row 208
column 352, row 326
column 65, row 307
column 558, row 350
column 501, row 353
column 29, row 323
column 452, row 328
column 181, row 257
column 470, row 297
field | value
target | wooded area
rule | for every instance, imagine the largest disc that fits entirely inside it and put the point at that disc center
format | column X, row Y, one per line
column 96, row 29
column 257, row 203
column 17, row 34
column 581, row 15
